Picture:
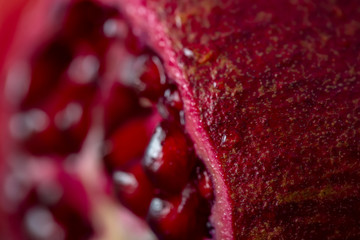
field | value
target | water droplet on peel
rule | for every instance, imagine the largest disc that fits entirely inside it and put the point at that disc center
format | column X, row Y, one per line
column 223, row 139
column 188, row 52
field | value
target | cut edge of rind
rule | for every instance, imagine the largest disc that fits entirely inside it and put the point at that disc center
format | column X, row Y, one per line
column 142, row 18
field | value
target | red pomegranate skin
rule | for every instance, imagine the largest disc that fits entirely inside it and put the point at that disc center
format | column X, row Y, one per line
column 274, row 86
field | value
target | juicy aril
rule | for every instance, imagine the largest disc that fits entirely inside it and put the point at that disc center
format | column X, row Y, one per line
column 223, row 120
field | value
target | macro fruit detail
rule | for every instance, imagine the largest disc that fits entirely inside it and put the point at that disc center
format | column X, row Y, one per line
column 242, row 115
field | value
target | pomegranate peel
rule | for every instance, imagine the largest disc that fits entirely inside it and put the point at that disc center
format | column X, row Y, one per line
column 266, row 87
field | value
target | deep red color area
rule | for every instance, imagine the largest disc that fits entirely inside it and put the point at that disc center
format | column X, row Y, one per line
column 88, row 78
column 48, row 63
column 150, row 78
column 67, row 117
column 168, row 160
column 127, row 143
column 173, row 218
column 170, row 105
column 134, row 189
column 204, row 183
column 276, row 87
column 120, row 103
column 49, row 202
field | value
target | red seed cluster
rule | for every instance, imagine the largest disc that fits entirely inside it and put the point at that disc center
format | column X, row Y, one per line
column 96, row 73
column 46, row 202
column 149, row 155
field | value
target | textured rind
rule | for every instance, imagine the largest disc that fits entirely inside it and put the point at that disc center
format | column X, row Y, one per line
column 142, row 16
column 277, row 86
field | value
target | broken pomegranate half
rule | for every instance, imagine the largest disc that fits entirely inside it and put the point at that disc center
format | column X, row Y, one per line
column 206, row 120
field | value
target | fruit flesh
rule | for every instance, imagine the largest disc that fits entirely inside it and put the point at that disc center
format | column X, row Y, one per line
column 124, row 132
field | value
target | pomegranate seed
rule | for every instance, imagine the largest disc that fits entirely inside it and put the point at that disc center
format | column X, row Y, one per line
column 121, row 103
column 85, row 24
column 55, row 205
column 47, row 68
column 61, row 124
column 176, row 217
column 168, row 155
column 64, row 134
column 84, row 68
column 39, row 223
column 134, row 189
column 56, row 118
column 151, row 81
column 85, row 19
column 116, row 27
column 204, row 183
column 128, row 143
column 170, row 105
column 133, row 43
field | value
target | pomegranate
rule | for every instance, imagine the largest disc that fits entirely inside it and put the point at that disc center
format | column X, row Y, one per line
column 211, row 120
